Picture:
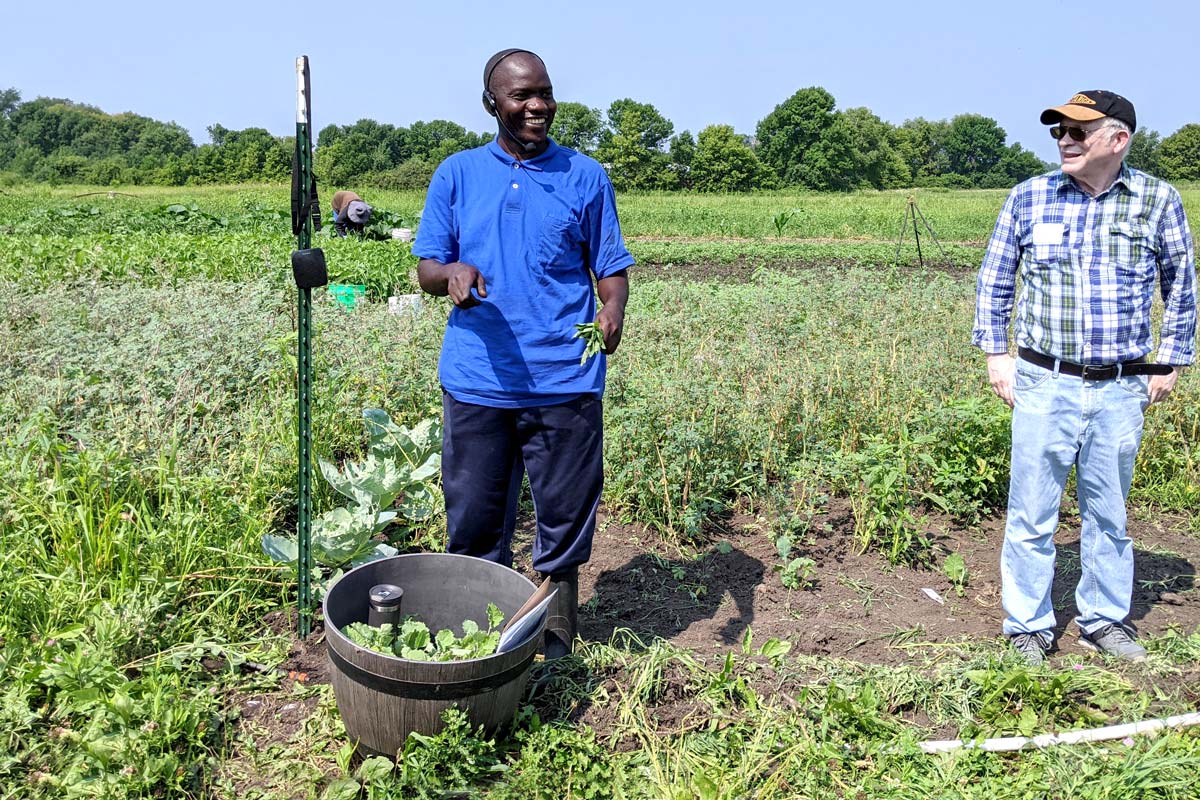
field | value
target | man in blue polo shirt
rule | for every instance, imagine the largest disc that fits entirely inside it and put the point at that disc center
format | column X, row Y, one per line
column 514, row 233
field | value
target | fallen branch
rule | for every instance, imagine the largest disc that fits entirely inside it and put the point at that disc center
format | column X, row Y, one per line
column 1107, row 733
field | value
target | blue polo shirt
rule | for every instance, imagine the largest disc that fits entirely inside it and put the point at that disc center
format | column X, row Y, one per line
column 524, row 225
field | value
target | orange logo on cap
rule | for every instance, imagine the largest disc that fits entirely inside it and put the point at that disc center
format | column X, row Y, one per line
column 1082, row 99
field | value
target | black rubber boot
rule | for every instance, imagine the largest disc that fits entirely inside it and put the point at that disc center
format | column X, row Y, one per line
column 562, row 620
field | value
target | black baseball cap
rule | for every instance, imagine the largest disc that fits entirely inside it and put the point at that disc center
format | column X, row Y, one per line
column 1092, row 104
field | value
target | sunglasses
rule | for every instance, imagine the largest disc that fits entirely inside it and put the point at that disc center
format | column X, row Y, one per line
column 1077, row 134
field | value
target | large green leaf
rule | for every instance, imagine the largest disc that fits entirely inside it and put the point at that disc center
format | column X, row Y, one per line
column 380, row 550
column 426, row 436
column 383, row 519
column 341, row 482
column 281, row 549
column 389, row 440
column 427, row 470
column 420, row 503
column 375, row 482
column 341, row 535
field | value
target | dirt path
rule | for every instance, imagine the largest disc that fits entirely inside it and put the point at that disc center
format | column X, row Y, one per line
column 857, row 605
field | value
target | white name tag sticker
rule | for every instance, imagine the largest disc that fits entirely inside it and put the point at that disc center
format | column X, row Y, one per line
column 1048, row 233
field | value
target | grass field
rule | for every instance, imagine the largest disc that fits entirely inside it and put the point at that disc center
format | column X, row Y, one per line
column 147, row 406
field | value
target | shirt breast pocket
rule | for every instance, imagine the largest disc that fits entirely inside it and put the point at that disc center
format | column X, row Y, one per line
column 1132, row 249
column 558, row 246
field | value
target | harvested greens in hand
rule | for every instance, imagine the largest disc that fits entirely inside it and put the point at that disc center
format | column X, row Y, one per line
column 593, row 338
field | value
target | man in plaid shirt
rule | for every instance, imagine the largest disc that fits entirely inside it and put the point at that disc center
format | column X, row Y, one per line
column 1088, row 242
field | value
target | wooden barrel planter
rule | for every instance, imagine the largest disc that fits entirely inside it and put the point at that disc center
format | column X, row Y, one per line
column 382, row 699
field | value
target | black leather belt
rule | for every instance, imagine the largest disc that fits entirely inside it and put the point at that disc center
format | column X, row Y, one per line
column 1095, row 372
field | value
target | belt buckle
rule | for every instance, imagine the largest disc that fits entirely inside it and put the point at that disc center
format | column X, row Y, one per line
column 1096, row 372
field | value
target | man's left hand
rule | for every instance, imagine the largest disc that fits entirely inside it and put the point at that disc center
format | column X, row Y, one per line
column 614, row 293
column 611, row 320
column 1161, row 385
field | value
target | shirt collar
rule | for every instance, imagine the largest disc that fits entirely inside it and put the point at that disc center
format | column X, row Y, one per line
column 1125, row 179
column 530, row 163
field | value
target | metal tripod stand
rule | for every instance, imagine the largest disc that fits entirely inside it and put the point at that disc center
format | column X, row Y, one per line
column 911, row 212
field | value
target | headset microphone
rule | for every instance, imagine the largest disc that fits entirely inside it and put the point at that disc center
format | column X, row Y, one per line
column 489, row 101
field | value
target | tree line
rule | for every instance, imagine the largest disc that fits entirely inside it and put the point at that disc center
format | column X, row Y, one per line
column 804, row 142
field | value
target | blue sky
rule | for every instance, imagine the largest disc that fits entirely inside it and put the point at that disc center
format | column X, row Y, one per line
column 699, row 63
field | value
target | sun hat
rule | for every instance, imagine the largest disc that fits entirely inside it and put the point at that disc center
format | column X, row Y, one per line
column 358, row 212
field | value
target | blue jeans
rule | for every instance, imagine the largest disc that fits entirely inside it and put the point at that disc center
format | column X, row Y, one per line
column 1060, row 421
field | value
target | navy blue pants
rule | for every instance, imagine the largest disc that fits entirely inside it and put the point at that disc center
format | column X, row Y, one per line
column 485, row 453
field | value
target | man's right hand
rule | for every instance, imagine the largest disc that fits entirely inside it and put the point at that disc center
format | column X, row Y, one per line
column 1002, row 372
column 461, row 279
column 454, row 280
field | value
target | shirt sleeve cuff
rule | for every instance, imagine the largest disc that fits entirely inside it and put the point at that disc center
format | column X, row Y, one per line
column 990, row 344
column 1176, row 356
column 615, row 266
column 429, row 252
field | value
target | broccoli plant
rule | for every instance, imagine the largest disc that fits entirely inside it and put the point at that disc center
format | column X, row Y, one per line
column 390, row 491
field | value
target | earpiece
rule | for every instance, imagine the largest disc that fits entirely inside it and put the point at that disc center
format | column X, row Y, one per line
column 489, row 102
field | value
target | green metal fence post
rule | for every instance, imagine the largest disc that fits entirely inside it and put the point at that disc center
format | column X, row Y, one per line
column 308, row 267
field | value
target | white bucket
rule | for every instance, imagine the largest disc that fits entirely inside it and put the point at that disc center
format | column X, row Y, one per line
column 404, row 304
column 403, row 234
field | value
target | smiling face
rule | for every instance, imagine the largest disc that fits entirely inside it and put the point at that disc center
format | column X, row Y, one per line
column 524, row 104
column 1095, row 161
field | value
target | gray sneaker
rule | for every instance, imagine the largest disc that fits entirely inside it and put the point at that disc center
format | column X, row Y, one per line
column 1114, row 640
column 1032, row 647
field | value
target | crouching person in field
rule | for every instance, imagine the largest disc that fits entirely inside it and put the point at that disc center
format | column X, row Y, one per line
column 1088, row 241
column 514, row 232
column 350, row 213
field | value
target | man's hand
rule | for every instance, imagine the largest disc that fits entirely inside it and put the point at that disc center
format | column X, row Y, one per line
column 455, row 280
column 461, row 279
column 1161, row 385
column 611, row 320
column 1002, row 371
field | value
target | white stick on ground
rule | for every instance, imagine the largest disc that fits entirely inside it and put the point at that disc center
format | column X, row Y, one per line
column 1008, row 743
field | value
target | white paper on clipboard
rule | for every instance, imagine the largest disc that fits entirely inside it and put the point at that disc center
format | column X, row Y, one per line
column 523, row 628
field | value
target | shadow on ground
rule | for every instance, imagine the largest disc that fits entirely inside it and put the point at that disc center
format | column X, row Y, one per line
column 656, row 596
column 1159, row 577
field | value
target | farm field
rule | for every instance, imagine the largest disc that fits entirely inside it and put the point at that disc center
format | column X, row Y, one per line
column 800, row 442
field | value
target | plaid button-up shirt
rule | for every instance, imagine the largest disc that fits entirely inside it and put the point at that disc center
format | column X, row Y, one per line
column 1087, row 267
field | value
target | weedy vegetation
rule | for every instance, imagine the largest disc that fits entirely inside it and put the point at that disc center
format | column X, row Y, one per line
column 147, row 438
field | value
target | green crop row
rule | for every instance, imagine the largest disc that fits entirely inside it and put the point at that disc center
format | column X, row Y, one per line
column 955, row 216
